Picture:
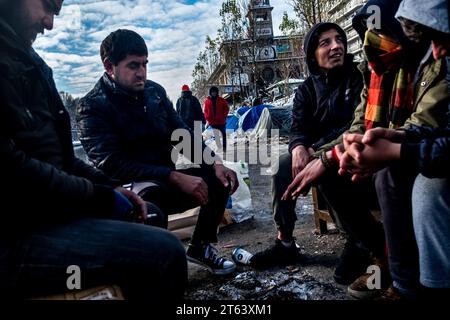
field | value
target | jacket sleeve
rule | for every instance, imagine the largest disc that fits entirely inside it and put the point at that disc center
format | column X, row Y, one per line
column 302, row 123
column 103, row 147
column 358, row 125
column 208, row 114
column 431, row 156
column 178, row 106
column 38, row 177
column 432, row 97
column 82, row 169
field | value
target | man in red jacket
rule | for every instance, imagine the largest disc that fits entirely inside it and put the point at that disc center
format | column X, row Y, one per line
column 216, row 110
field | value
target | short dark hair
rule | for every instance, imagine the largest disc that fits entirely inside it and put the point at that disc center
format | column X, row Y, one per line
column 120, row 43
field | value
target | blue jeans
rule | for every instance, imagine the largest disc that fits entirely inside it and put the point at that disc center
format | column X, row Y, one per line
column 148, row 263
column 431, row 217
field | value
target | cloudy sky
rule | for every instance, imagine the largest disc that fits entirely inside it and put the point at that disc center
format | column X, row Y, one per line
column 174, row 30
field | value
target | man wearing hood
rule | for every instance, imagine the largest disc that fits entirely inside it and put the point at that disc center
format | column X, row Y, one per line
column 216, row 111
column 421, row 149
column 323, row 109
column 189, row 108
column 406, row 87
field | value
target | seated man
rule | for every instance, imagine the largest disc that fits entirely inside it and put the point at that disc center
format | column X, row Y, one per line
column 422, row 150
column 406, row 87
column 323, row 109
column 59, row 211
column 125, row 125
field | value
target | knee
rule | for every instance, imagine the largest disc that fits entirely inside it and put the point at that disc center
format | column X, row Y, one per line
column 284, row 171
column 383, row 179
column 430, row 196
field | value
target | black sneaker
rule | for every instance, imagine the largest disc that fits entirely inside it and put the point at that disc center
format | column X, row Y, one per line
column 208, row 257
column 277, row 255
column 353, row 263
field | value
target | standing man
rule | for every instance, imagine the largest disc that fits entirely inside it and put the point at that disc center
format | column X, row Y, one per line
column 323, row 109
column 64, row 212
column 126, row 124
column 216, row 111
column 189, row 108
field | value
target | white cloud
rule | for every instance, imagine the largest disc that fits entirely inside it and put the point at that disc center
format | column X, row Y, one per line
column 174, row 31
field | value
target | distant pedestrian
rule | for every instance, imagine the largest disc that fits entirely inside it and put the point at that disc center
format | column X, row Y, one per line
column 189, row 108
column 216, row 110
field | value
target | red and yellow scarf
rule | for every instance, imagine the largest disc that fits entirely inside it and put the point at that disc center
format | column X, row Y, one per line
column 391, row 89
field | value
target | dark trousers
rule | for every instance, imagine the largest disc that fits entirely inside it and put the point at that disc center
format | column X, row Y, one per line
column 394, row 186
column 148, row 263
column 171, row 200
column 222, row 130
column 350, row 202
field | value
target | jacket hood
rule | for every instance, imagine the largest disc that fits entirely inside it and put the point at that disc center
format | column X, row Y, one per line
column 311, row 41
column 390, row 26
column 430, row 13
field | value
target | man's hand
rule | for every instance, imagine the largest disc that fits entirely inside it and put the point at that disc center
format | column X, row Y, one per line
column 303, row 181
column 227, row 176
column 300, row 158
column 138, row 203
column 191, row 185
column 383, row 133
column 372, row 158
column 353, row 143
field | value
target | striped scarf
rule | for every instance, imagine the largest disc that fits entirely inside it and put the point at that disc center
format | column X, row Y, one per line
column 391, row 89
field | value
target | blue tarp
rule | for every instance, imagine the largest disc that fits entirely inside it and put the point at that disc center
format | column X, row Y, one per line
column 242, row 110
column 250, row 118
column 232, row 122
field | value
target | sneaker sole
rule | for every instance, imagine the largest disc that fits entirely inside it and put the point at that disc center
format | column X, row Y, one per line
column 363, row 295
column 219, row 272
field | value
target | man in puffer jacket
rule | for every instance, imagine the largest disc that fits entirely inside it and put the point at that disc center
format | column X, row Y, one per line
column 127, row 124
column 57, row 210
column 421, row 149
column 216, row 110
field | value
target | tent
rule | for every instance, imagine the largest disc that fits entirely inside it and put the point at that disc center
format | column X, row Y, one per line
column 250, row 118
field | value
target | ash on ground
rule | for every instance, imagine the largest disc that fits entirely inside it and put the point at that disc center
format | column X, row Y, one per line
column 310, row 279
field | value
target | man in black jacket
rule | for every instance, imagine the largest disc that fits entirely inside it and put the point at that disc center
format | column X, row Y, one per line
column 189, row 108
column 126, row 125
column 59, row 211
column 323, row 109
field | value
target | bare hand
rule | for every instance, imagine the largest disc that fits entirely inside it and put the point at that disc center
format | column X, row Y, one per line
column 191, row 185
column 300, row 158
column 138, row 203
column 303, row 181
column 371, row 159
column 383, row 133
column 227, row 176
